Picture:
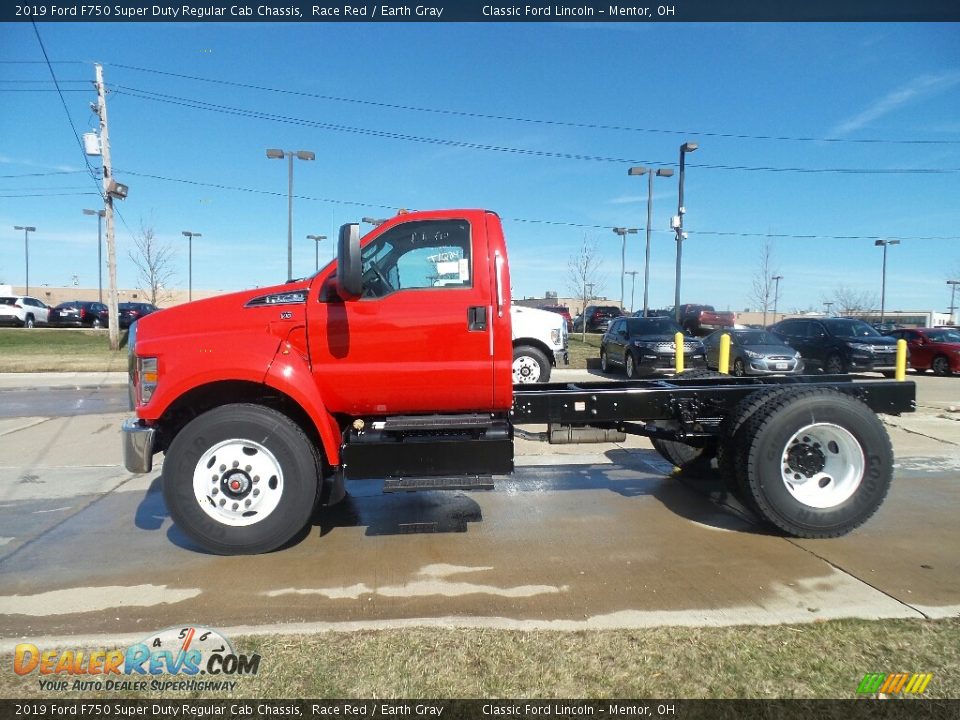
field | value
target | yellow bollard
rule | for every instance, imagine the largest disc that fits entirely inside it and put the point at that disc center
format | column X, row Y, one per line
column 678, row 352
column 901, row 373
column 724, row 361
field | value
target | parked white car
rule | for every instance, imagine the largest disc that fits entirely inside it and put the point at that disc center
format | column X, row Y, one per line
column 539, row 343
column 23, row 311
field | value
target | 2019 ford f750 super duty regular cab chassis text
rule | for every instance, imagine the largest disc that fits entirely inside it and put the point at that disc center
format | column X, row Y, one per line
column 395, row 362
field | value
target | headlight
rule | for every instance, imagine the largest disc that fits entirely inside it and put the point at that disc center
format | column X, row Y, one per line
column 148, row 376
column 752, row 354
column 555, row 336
column 641, row 344
column 796, row 355
column 858, row 346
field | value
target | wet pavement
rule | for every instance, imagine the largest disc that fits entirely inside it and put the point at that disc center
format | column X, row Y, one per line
column 588, row 536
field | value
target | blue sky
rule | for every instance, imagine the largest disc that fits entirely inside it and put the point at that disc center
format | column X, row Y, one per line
column 697, row 82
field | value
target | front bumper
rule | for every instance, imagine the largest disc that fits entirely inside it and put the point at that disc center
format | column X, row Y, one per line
column 137, row 445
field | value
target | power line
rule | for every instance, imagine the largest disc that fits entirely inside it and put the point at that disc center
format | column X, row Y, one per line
column 560, row 223
column 539, row 121
column 63, row 102
column 260, row 115
column 61, row 194
column 44, row 174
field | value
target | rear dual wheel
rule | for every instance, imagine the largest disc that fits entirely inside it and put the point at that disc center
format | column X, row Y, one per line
column 815, row 463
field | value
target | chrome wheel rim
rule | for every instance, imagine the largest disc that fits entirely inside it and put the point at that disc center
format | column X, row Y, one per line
column 525, row 370
column 822, row 465
column 238, row 482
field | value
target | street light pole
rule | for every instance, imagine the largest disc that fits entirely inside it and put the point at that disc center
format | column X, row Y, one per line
column 633, row 286
column 27, row 229
column 274, row 154
column 687, row 147
column 316, row 247
column 883, row 280
column 623, row 232
column 190, row 236
column 99, row 214
column 953, row 289
column 649, row 172
column 776, row 294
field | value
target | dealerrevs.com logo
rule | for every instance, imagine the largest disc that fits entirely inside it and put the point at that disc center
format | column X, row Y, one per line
column 172, row 659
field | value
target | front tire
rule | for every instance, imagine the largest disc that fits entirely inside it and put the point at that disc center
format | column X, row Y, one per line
column 630, row 366
column 530, row 365
column 738, row 369
column 241, row 479
column 28, row 322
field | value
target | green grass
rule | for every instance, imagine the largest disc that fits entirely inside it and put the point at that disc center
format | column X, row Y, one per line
column 818, row 660
column 59, row 349
column 584, row 355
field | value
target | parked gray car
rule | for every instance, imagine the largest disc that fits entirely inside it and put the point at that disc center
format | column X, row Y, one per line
column 754, row 352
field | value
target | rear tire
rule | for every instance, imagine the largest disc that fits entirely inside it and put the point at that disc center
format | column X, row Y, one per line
column 28, row 322
column 241, row 479
column 816, row 463
column 604, row 362
column 96, row 324
column 940, row 366
column 835, row 365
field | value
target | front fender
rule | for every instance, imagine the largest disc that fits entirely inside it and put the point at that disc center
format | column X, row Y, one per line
column 290, row 374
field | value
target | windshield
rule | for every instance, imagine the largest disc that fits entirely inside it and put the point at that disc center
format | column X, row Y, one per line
column 850, row 328
column 652, row 326
column 759, row 337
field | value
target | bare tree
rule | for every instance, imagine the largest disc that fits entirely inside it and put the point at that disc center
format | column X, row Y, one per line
column 153, row 259
column 850, row 302
column 584, row 279
column 763, row 288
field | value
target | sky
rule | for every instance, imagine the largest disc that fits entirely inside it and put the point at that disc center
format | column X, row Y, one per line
column 538, row 122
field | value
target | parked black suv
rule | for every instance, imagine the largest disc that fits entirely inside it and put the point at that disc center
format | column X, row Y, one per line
column 597, row 317
column 642, row 345
column 838, row 345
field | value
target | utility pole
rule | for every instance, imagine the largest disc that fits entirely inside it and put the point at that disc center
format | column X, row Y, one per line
column 109, row 190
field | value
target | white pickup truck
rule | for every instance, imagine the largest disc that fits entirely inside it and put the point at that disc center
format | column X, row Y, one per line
column 539, row 343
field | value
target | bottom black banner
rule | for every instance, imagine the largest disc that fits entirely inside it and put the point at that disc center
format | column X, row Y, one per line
column 502, row 709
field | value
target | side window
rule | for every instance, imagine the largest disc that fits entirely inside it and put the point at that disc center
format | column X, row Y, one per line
column 617, row 327
column 418, row 255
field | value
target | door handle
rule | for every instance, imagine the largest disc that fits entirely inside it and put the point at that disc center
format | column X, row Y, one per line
column 477, row 318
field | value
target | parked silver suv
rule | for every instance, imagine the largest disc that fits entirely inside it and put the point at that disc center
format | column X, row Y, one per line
column 23, row 311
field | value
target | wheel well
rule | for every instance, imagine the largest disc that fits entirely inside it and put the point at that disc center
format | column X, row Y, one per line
column 206, row 397
column 539, row 345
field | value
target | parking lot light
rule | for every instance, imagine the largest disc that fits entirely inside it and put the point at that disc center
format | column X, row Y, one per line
column 883, row 278
column 687, row 147
column 27, row 229
column 316, row 239
column 776, row 294
column 275, row 154
column 649, row 172
column 99, row 214
column 190, row 236
column 953, row 290
column 623, row 232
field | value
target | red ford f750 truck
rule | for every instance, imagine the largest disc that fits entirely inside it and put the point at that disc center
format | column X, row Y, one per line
column 395, row 362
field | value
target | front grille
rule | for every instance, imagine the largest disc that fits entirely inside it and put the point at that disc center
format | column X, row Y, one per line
column 669, row 347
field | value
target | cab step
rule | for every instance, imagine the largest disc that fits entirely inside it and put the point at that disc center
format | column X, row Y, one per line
column 458, row 482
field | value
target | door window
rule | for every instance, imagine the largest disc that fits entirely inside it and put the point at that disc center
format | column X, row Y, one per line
column 428, row 254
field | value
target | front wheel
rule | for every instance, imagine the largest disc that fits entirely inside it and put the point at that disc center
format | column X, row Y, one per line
column 241, row 479
column 738, row 369
column 530, row 366
column 630, row 366
column 28, row 322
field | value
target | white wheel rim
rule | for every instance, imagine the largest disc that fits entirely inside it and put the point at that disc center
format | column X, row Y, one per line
column 238, row 482
column 822, row 465
column 630, row 366
column 526, row 370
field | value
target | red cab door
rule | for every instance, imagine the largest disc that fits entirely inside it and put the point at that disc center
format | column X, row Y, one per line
column 420, row 338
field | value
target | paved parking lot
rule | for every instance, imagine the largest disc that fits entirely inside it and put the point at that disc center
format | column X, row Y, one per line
column 580, row 537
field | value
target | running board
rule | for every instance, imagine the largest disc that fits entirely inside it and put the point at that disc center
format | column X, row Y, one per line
column 413, row 484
